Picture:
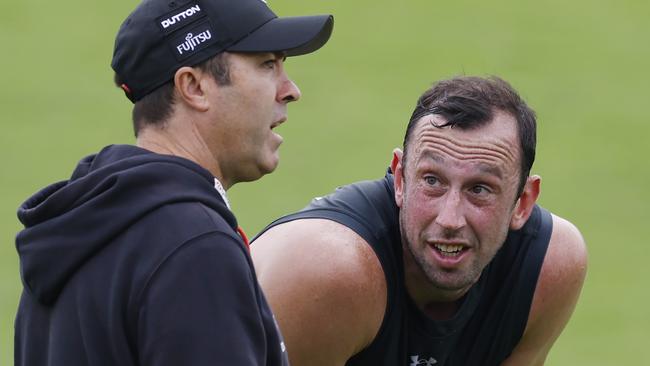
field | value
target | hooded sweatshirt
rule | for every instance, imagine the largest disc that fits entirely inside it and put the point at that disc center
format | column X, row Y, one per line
column 135, row 260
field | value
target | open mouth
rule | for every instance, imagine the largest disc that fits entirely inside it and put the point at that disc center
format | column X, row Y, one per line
column 278, row 122
column 449, row 250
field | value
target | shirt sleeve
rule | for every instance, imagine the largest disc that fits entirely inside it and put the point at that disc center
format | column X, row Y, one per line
column 201, row 307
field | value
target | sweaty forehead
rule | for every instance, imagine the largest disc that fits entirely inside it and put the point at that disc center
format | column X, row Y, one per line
column 493, row 146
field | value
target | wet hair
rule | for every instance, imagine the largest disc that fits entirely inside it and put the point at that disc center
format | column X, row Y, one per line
column 156, row 107
column 469, row 102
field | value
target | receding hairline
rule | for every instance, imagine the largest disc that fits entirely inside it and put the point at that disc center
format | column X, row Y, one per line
column 504, row 147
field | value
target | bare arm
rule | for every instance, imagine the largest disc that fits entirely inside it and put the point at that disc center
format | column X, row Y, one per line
column 325, row 286
column 558, row 287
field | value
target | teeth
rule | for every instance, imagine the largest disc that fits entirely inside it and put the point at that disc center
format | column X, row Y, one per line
column 449, row 249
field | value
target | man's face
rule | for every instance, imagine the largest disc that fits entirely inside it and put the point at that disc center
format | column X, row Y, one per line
column 457, row 197
column 247, row 111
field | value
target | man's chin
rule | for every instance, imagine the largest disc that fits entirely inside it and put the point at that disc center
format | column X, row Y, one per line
column 453, row 284
column 267, row 167
column 271, row 164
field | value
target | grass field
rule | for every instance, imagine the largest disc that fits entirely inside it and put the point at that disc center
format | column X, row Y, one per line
column 582, row 65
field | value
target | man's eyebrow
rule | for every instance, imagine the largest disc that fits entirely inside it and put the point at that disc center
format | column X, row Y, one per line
column 483, row 167
column 428, row 154
column 490, row 169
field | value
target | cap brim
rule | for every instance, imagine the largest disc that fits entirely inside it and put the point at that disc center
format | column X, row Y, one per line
column 292, row 35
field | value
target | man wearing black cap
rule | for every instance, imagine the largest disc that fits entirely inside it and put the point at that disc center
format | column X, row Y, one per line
column 137, row 258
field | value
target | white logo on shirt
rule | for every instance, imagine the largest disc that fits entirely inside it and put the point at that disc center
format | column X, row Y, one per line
column 416, row 361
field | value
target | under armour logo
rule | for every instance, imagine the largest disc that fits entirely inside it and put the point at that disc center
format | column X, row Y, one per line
column 415, row 361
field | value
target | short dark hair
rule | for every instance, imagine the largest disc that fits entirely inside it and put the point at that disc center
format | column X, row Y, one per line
column 469, row 102
column 155, row 107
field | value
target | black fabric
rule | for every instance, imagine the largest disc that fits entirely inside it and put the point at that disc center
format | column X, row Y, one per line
column 493, row 314
column 135, row 261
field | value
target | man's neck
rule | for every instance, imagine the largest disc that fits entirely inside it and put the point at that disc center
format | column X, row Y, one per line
column 435, row 302
column 183, row 142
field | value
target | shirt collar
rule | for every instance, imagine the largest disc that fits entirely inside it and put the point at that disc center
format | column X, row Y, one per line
column 222, row 192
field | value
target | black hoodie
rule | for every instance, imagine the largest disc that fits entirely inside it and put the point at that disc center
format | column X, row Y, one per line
column 135, row 260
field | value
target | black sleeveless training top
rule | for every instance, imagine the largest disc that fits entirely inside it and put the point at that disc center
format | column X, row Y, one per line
column 493, row 314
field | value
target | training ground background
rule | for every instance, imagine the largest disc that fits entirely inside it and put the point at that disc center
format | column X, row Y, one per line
column 582, row 65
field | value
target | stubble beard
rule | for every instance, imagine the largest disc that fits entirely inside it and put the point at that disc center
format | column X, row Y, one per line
column 453, row 282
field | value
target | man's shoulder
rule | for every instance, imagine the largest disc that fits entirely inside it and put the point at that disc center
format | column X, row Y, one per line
column 361, row 197
column 558, row 288
column 567, row 236
column 367, row 208
column 565, row 262
column 183, row 228
column 188, row 219
column 326, row 249
column 319, row 273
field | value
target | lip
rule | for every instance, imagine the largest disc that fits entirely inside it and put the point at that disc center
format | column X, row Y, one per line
column 278, row 122
column 449, row 262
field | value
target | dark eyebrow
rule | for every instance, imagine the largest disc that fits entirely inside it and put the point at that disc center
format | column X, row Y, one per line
column 490, row 169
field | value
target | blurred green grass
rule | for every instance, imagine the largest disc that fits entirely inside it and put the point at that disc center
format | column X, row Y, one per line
column 582, row 65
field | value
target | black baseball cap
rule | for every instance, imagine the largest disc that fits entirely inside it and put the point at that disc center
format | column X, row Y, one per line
column 160, row 36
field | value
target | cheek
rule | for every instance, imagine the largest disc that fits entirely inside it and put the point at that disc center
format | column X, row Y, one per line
column 490, row 224
column 261, row 92
column 418, row 209
column 250, row 96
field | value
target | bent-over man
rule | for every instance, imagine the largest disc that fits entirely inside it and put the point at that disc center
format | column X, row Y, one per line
column 447, row 260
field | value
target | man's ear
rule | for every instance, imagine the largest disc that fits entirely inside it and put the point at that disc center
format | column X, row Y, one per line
column 398, row 174
column 397, row 157
column 526, row 202
column 190, row 84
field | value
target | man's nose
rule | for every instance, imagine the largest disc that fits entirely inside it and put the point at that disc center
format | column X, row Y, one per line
column 288, row 91
column 450, row 215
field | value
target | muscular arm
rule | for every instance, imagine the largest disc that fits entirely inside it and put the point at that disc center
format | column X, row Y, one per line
column 558, row 287
column 325, row 286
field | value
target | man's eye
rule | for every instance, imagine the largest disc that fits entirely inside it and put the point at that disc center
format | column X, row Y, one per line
column 479, row 190
column 431, row 180
column 270, row 63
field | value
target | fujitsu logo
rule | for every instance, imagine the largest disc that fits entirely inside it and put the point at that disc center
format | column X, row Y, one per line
column 192, row 41
column 187, row 13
